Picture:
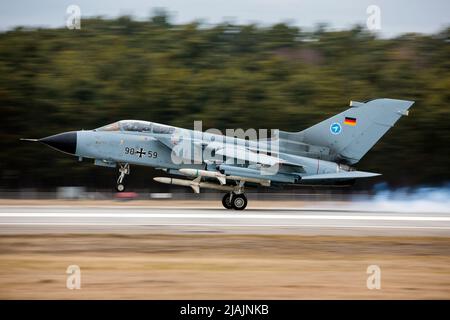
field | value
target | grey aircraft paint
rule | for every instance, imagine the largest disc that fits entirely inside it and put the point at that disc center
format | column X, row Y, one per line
column 320, row 154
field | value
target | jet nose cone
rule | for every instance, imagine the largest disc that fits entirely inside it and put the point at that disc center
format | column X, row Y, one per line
column 66, row 142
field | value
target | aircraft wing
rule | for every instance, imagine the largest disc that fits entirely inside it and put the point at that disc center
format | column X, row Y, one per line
column 244, row 154
column 237, row 152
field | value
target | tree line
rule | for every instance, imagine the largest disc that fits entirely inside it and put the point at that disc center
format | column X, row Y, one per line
column 228, row 76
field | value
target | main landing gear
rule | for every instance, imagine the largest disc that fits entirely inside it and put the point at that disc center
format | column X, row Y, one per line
column 124, row 168
column 236, row 201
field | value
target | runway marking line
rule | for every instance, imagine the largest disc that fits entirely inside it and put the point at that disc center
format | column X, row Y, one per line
column 224, row 216
column 300, row 209
column 221, row 225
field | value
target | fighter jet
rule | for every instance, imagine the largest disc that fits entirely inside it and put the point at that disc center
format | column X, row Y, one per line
column 324, row 154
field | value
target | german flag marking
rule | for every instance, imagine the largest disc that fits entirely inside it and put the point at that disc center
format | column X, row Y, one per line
column 350, row 121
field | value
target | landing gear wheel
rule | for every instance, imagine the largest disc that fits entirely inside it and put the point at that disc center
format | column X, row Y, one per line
column 239, row 201
column 226, row 201
column 120, row 187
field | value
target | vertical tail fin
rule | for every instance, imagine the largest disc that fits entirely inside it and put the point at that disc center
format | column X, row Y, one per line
column 352, row 133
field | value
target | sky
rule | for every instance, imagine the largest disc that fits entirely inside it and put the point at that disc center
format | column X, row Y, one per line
column 397, row 16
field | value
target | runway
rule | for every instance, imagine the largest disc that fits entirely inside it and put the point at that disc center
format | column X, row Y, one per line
column 198, row 250
column 111, row 219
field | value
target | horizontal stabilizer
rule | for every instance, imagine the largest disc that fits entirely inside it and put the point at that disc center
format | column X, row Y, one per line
column 341, row 176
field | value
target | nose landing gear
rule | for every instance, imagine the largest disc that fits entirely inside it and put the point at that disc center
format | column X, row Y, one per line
column 124, row 168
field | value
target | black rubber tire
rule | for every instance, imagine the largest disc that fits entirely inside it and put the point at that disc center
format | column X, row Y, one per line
column 226, row 201
column 239, row 201
column 120, row 187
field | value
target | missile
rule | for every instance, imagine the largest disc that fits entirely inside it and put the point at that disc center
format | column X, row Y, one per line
column 196, row 184
column 222, row 177
column 204, row 173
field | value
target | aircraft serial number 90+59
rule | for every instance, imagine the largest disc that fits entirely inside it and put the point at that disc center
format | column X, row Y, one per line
column 141, row 152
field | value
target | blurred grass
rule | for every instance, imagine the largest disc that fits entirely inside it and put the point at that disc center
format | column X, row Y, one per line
column 215, row 266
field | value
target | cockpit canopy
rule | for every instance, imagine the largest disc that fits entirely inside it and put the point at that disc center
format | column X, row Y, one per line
column 137, row 126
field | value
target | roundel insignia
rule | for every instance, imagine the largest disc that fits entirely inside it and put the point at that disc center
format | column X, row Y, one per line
column 335, row 128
